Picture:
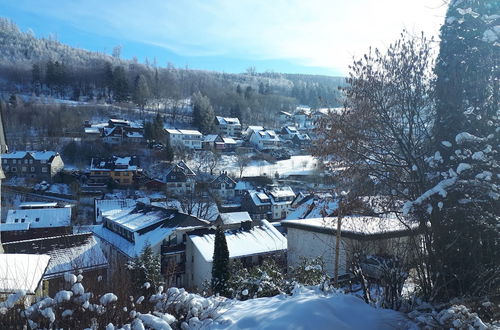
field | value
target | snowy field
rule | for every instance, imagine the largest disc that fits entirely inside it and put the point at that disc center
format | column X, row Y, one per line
column 301, row 165
column 309, row 309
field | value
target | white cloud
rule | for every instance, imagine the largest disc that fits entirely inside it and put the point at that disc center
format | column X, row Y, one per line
column 322, row 33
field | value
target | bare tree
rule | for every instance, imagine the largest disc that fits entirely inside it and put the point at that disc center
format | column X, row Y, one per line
column 242, row 161
column 381, row 137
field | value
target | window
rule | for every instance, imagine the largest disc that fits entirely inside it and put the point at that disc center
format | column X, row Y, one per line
column 16, row 220
column 14, row 169
column 26, row 161
column 44, row 169
column 31, row 161
column 22, row 220
column 32, row 169
column 24, row 169
column 5, row 161
column 14, row 161
column 37, row 219
column 43, row 161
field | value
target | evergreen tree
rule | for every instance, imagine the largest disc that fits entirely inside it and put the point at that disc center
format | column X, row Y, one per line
column 141, row 91
column 146, row 268
column 220, row 266
column 120, row 84
column 203, row 113
column 464, row 218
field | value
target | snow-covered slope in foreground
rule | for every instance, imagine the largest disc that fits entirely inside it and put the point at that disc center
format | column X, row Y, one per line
column 309, row 309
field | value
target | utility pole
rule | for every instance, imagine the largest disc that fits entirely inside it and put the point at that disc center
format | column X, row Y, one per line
column 337, row 243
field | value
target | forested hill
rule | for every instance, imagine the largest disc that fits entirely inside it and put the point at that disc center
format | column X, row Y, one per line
column 46, row 66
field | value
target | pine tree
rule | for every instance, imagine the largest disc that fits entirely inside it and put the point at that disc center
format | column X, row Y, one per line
column 120, row 84
column 141, row 91
column 203, row 113
column 220, row 266
column 464, row 218
column 146, row 268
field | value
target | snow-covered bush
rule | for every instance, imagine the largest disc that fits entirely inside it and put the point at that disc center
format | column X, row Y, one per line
column 264, row 280
column 454, row 317
column 310, row 271
column 77, row 309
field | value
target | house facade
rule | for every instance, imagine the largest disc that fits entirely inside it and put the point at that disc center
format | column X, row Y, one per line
column 190, row 139
column 227, row 126
column 180, row 179
column 40, row 165
column 257, row 204
column 121, row 170
column 265, row 140
column 316, row 237
column 223, row 186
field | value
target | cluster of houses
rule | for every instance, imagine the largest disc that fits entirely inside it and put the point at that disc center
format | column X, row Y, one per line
column 40, row 243
column 115, row 132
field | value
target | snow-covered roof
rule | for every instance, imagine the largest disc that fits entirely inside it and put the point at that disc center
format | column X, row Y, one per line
column 37, row 205
column 41, row 218
column 14, row 226
column 291, row 130
column 113, row 164
column 354, row 225
column 37, row 155
column 281, row 192
column 227, row 120
column 22, row 272
column 234, row 217
column 251, row 129
column 313, row 208
column 119, row 122
column 243, row 185
column 92, row 130
column 210, row 137
column 67, row 253
column 134, row 135
column 267, row 135
column 228, row 140
column 258, row 240
column 167, row 223
column 111, row 206
column 183, row 131
column 286, row 113
column 259, row 198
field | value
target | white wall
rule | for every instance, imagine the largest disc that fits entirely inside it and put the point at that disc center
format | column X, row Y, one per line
column 309, row 244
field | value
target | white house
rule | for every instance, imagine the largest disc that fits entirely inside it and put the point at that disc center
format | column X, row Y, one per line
column 249, row 245
column 191, row 139
column 281, row 199
column 251, row 129
column 310, row 238
column 41, row 218
column 263, row 140
column 228, row 126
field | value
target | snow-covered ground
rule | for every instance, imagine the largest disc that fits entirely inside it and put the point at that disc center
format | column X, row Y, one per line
column 301, row 165
column 309, row 309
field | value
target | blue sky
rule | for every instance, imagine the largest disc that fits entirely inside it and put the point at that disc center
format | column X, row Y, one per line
column 294, row 36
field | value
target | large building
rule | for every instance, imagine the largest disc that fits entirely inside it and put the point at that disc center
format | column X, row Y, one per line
column 40, row 165
column 120, row 170
column 227, row 126
column 190, row 139
column 265, row 140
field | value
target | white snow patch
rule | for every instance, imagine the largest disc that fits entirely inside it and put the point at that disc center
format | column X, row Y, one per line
column 467, row 137
column 463, row 167
column 446, row 144
column 108, row 298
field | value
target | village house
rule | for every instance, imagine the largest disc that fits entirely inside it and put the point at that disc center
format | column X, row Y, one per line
column 119, row 170
column 68, row 253
column 316, row 237
column 190, row 139
column 223, row 186
column 257, row 204
column 250, row 245
column 35, row 220
column 265, row 140
column 40, row 165
column 281, row 199
column 213, row 142
column 180, row 179
column 288, row 132
column 250, row 130
column 285, row 117
column 301, row 140
column 125, row 232
column 227, row 126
